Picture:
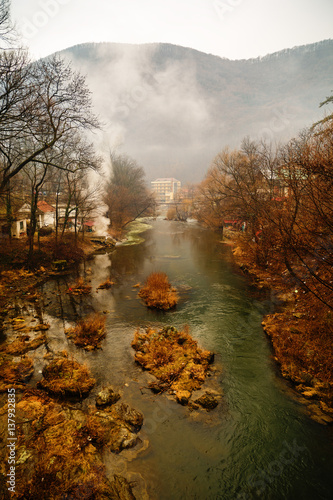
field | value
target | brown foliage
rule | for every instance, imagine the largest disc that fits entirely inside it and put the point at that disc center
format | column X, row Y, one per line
column 67, row 248
column 23, row 344
column 158, row 293
column 173, row 357
column 88, row 332
column 65, row 377
column 15, row 373
column 171, row 214
column 58, row 459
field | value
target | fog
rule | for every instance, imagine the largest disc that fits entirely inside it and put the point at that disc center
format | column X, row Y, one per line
column 173, row 109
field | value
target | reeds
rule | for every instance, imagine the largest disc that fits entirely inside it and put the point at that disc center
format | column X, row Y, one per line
column 158, row 293
column 88, row 332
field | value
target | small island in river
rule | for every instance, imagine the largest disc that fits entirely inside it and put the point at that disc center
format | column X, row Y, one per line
column 178, row 364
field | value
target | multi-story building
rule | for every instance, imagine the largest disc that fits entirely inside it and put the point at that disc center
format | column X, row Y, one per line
column 165, row 189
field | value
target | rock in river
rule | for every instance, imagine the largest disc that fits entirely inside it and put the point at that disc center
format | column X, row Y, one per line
column 107, row 397
column 208, row 401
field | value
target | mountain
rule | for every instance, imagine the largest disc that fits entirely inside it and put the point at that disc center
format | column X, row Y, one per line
column 174, row 108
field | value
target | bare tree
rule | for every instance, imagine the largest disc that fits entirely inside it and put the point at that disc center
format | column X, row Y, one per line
column 7, row 32
column 126, row 194
column 58, row 103
column 36, row 175
column 79, row 159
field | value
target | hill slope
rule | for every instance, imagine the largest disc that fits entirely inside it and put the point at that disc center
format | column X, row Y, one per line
column 173, row 108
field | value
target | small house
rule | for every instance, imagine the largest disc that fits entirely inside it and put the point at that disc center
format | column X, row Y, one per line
column 17, row 226
column 46, row 214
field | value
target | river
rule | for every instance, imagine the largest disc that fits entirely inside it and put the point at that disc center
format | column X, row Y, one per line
column 259, row 442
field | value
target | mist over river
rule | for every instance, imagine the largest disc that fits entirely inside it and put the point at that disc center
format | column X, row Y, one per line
column 259, row 442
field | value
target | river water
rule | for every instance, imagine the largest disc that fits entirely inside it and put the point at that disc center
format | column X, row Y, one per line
column 259, row 442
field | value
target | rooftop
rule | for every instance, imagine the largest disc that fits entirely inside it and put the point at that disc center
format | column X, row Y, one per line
column 166, row 179
column 45, row 207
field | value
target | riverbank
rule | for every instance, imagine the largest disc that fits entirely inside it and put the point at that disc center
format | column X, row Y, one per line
column 60, row 443
column 19, row 280
column 300, row 331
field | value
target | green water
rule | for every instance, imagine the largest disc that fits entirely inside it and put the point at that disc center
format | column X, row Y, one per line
column 259, row 442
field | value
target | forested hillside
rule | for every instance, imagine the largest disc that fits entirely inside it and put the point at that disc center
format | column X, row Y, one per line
column 173, row 108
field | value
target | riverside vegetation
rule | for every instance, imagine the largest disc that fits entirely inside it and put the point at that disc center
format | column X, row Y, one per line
column 281, row 200
column 88, row 332
column 158, row 293
column 300, row 333
column 48, row 469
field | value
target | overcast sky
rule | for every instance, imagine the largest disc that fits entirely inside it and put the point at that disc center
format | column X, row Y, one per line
column 236, row 29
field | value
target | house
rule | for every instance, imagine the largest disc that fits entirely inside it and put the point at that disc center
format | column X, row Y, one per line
column 89, row 226
column 16, row 228
column 46, row 214
column 21, row 218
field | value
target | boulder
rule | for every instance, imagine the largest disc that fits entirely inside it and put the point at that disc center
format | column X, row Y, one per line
column 107, row 397
column 183, row 397
column 122, row 438
column 207, row 401
column 131, row 417
column 158, row 387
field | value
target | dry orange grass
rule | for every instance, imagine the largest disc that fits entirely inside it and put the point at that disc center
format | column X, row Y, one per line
column 88, row 332
column 65, row 377
column 15, row 373
column 60, row 452
column 158, row 292
column 105, row 285
column 173, row 357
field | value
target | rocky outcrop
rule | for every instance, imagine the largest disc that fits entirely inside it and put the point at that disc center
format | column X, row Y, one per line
column 59, row 447
column 106, row 397
column 208, row 401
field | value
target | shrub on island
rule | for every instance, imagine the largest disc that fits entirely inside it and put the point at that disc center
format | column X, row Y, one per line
column 66, row 377
column 88, row 332
column 158, row 293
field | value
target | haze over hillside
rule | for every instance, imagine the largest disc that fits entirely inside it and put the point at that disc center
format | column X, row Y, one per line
column 174, row 108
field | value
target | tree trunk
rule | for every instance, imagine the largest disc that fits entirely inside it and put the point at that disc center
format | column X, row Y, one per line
column 33, row 223
column 9, row 214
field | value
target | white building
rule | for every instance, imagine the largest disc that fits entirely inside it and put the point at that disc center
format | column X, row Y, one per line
column 165, row 189
column 46, row 214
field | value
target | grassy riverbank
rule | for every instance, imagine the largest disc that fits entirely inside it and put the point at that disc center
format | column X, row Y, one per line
column 300, row 330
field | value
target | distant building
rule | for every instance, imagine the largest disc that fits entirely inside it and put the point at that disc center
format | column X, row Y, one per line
column 165, row 189
column 47, row 214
